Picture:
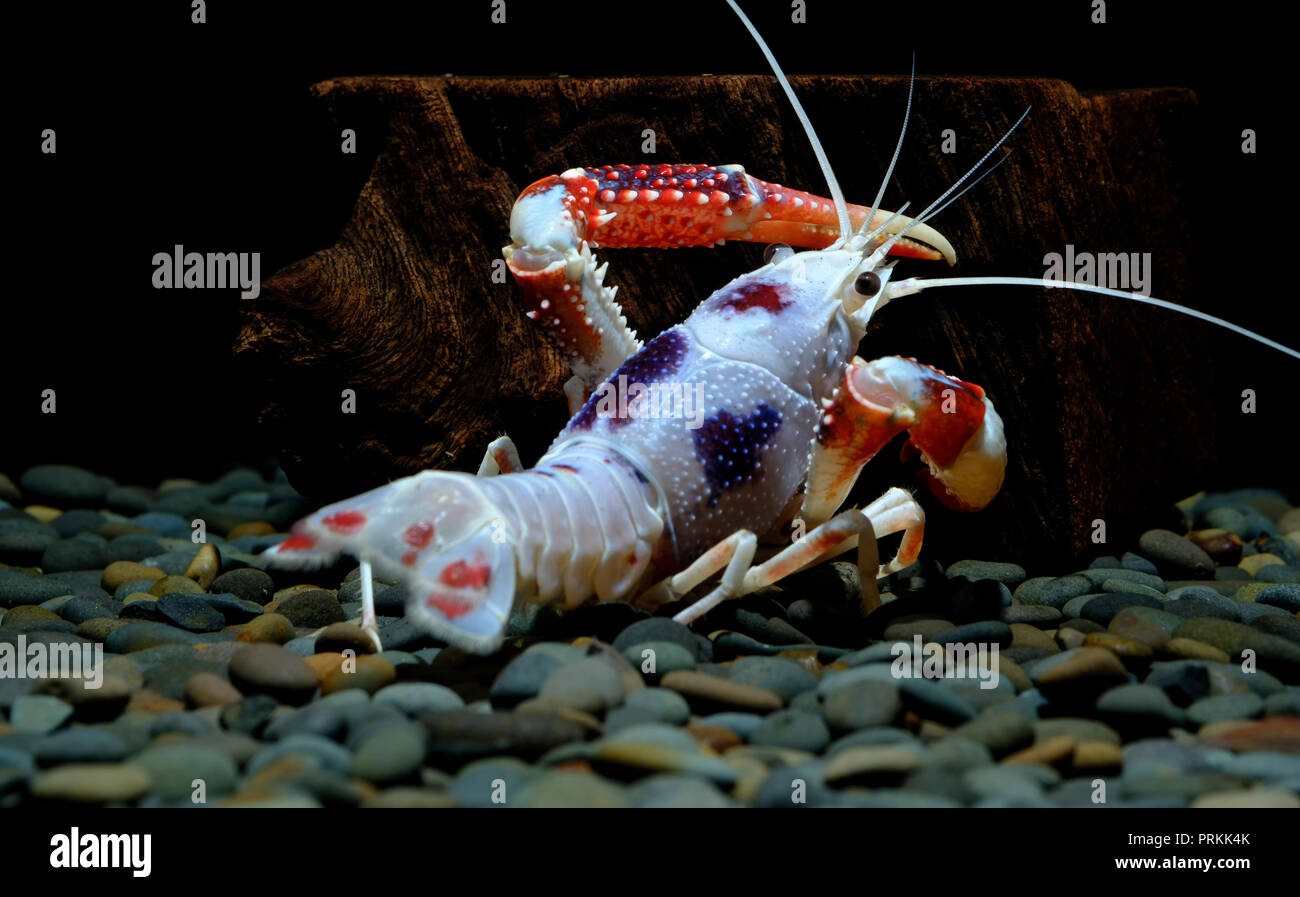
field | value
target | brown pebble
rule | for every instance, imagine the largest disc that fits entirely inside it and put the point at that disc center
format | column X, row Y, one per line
column 219, row 652
column 119, row 572
column 1025, row 636
column 323, row 663
column 95, row 704
column 926, row 729
column 278, row 770
column 1258, row 797
column 111, row 529
column 551, row 707
column 805, row 657
column 1275, row 733
column 1019, row 678
column 1256, row 562
column 8, row 491
column 1220, row 544
column 269, row 628
column 29, row 612
column 719, row 738
column 366, row 672
column 273, row 670
column 278, row 598
column 1220, row 727
column 205, row 566
column 876, row 763
column 43, row 513
column 1134, row 627
column 340, row 636
column 1070, row 638
column 1097, row 755
column 1126, row 649
column 146, row 700
column 1191, row 649
column 100, row 628
column 251, row 528
column 210, row 690
column 92, row 783
column 175, row 584
column 706, row 689
column 1049, row 752
column 1090, row 663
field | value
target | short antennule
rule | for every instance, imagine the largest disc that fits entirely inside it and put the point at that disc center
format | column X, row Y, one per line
column 938, row 205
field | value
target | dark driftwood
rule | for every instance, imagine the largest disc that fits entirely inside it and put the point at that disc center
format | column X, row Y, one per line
column 1106, row 404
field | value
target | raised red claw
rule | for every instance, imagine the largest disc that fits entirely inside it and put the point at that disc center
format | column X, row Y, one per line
column 664, row 206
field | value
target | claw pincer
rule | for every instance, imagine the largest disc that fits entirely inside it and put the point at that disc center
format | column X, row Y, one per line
column 949, row 423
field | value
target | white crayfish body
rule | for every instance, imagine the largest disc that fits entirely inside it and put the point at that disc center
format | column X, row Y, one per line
column 708, row 431
column 681, row 454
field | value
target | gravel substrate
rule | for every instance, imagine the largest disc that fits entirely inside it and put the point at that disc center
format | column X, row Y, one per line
column 1168, row 676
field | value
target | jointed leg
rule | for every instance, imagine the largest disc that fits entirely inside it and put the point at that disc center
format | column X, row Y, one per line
column 894, row 511
column 576, row 394
column 736, row 553
column 368, row 622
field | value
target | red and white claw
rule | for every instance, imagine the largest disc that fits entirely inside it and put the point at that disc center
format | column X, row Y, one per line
column 950, row 423
column 558, row 220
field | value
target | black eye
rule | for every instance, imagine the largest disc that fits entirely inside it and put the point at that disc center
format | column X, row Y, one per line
column 868, row 283
column 772, row 249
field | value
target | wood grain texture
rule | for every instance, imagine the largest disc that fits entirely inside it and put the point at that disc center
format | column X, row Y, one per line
column 1108, row 405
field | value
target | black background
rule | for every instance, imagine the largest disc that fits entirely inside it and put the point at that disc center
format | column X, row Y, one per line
column 205, row 135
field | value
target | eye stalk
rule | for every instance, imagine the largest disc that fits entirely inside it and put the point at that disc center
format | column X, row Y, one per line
column 867, row 284
column 776, row 253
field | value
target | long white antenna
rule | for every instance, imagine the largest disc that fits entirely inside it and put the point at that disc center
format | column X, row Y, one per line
column 837, row 195
column 914, row 284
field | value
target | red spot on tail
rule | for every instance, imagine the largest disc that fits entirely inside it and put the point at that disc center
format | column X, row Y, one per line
column 418, row 535
column 345, row 523
column 451, row 608
column 297, row 542
column 461, row 575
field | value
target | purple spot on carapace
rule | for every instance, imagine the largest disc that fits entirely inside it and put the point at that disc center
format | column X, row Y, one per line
column 658, row 360
column 753, row 295
column 729, row 447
